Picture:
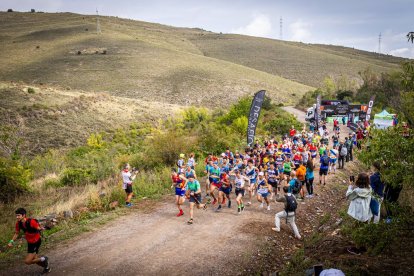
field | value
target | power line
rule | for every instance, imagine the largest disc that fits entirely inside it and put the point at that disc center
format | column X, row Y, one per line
column 281, row 29
column 98, row 25
column 379, row 44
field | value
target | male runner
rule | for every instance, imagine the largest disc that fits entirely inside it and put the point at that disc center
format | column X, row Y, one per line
column 127, row 179
column 194, row 192
column 225, row 189
column 251, row 173
column 239, row 184
column 31, row 229
column 179, row 185
column 263, row 191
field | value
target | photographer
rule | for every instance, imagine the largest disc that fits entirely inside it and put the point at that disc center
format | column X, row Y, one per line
column 127, row 179
column 359, row 193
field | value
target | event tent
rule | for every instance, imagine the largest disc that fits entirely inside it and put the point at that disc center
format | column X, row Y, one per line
column 383, row 120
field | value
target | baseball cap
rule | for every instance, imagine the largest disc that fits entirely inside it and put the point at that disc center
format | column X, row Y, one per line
column 261, row 173
column 182, row 155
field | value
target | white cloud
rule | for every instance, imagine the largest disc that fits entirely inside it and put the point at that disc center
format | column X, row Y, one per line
column 300, row 31
column 259, row 26
column 403, row 52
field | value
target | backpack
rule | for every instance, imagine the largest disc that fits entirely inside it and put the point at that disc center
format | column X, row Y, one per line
column 27, row 227
column 296, row 187
column 344, row 151
column 291, row 204
column 325, row 160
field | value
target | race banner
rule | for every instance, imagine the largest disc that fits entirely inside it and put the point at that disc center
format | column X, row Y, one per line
column 254, row 116
column 369, row 110
column 318, row 111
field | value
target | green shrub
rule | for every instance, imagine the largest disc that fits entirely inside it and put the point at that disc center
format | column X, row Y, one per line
column 53, row 183
column 14, row 179
column 52, row 162
column 30, row 90
column 153, row 183
column 77, row 176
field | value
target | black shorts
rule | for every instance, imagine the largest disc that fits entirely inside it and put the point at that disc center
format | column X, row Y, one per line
column 34, row 247
column 194, row 197
column 273, row 184
column 287, row 173
column 239, row 191
column 323, row 172
column 128, row 189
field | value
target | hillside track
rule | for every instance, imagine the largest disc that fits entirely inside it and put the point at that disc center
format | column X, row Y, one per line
column 156, row 242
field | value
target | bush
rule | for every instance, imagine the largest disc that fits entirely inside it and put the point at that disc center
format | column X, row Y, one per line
column 30, row 90
column 14, row 179
column 77, row 176
column 281, row 122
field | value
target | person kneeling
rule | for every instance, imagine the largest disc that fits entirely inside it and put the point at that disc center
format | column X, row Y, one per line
column 289, row 212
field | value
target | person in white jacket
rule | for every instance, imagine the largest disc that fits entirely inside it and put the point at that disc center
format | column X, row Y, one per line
column 359, row 193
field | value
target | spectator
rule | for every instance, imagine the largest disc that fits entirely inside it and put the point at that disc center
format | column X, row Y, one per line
column 359, row 194
column 378, row 191
column 289, row 212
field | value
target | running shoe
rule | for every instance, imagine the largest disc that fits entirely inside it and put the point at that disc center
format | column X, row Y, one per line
column 129, row 205
column 229, row 204
column 46, row 268
column 261, row 205
column 209, row 200
column 268, row 207
column 190, row 221
column 238, row 210
column 249, row 203
column 205, row 207
column 242, row 208
column 180, row 213
column 218, row 208
column 276, row 229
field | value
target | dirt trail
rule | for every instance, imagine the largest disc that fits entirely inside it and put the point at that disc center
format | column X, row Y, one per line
column 159, row 243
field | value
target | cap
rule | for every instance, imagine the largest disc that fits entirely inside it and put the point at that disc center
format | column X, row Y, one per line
column 190, row 176
column 182, row 155
column 261, row 173
column 223, row 154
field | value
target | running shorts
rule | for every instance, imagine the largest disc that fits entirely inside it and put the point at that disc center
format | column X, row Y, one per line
column 332, row 161
column 179, row 192
column 264, row 195
column 128, row 189
column 34, row 247
column 239, row 191
column 218, row 185
column 273, row 184
column 196, row 196
column 286, row 173
column 323, row 172
column 226, row 190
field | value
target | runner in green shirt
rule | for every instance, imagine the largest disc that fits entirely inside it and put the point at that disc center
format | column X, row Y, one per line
column 194, row 193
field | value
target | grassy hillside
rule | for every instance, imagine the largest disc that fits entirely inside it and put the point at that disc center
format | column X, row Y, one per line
column 305, row 63
column 142, row 60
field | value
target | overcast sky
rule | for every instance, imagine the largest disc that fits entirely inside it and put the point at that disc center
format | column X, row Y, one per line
column 352, row 23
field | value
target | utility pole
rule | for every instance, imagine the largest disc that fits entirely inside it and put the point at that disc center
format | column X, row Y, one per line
column 379, row 44
column 98, row 26
column 281, row 29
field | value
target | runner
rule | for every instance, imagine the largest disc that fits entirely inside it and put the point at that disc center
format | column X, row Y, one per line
column 313, row 150
column 214, row 176
column 225, row 189
column 188, row 171
column 31, row 229
column 251, row 173
column 191, row 161
column 209, row 166
column 179, row 185
column 309, row 178
column 193, row 191
column 263, row 191
column 272, row 176
column 324, row 166
column 301, row 175
column 239, row 189
column 127, row 180
column 287, row 168
column 180, row 163
column 333, row 156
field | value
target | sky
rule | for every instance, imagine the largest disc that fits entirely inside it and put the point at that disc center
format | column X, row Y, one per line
column 351, row 23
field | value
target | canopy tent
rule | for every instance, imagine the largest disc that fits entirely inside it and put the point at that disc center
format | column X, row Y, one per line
column 383, row 120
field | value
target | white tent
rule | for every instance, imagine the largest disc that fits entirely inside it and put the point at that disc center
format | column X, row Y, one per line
column 383, row 120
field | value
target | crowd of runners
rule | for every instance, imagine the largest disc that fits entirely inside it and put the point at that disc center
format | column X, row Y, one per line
column 271, row 171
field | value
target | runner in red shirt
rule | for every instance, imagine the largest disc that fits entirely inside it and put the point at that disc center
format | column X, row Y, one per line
column 292, row 131
column 32, row 229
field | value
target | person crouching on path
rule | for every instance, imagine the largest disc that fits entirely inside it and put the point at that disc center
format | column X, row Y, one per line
column 289, row 212
column 194, row 192
column 179, row 185
column 31, row 229
column 127, row 179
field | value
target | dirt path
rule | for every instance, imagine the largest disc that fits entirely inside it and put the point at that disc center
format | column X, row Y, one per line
column 300, row 115
column 159, row 243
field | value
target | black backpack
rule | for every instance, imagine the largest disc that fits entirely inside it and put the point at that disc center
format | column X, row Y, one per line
column 27, row 228
column 291, row 203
